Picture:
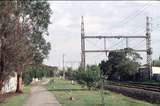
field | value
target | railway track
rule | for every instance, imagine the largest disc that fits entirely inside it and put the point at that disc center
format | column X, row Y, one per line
column 148, row 87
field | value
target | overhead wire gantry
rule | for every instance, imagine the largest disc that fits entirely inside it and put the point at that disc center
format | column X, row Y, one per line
column 147, row 50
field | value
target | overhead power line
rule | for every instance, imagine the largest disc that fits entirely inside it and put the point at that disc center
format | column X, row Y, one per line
column 137, row 13
column 146, row 36
column 131, row 17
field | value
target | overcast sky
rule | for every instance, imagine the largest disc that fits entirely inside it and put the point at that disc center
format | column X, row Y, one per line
column 100, row 18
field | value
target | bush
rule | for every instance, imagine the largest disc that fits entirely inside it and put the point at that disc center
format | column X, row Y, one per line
column 88, row 77
column 69, row 73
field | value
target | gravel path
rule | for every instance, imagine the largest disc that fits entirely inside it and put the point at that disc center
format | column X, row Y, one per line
column 41, row 97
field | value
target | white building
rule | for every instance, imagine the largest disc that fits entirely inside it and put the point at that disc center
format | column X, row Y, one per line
column 156, row 73
column 156, row 70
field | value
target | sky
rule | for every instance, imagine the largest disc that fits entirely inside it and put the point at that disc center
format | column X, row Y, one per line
column 106, row 18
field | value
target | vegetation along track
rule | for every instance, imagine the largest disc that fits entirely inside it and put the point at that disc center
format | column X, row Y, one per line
column 148, row 87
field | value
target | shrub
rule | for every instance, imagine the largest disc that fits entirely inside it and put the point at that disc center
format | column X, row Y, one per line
column 88, row 77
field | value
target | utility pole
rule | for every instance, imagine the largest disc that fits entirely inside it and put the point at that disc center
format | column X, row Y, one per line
column 148, row 46
column 105, row 48
column 126, row 42
column 82, row 44
column 63, row 65
column 102, row 89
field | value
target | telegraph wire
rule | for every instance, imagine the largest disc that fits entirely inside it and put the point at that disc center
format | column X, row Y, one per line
column 131, row 16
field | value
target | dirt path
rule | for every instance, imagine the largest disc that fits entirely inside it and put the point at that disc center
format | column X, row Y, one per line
column 41, row 97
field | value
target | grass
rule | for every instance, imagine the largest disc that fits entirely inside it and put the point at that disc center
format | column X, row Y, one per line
column 151, row 82
column 63, row 90
column 17, row 100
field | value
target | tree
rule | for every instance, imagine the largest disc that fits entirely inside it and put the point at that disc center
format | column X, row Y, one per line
column 156, row 63
column 23, row 25
column 38, row 72
column 35, row 15
column 7, row 30
column 69, row 74
column 89, row 77
column 121, row 65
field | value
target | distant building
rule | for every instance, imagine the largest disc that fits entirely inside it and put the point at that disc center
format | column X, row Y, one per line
column 156, row 73
column 144, row 73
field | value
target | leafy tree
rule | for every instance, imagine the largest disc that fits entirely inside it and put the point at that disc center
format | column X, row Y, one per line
column 38, row 72
column 23, row 25
column 121, row 65
column 89, row 77
column 156, row 62
column 69, row 74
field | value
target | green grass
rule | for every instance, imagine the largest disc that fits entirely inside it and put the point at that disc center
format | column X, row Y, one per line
column 151, row 82
column 17, row 100
column 63, row 90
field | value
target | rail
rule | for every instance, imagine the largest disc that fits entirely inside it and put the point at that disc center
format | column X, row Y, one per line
column 148, row 87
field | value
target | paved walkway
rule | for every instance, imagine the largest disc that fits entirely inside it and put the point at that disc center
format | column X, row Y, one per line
column 41, row 97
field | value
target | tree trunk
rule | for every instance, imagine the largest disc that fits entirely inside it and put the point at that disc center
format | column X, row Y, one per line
column 1, row 86
column 1, row 65
column 19, row 82
column 1, row 74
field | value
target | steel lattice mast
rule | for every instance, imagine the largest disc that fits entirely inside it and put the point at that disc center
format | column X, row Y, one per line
column 82, row 44
column 147, row 49
column 148, row 46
